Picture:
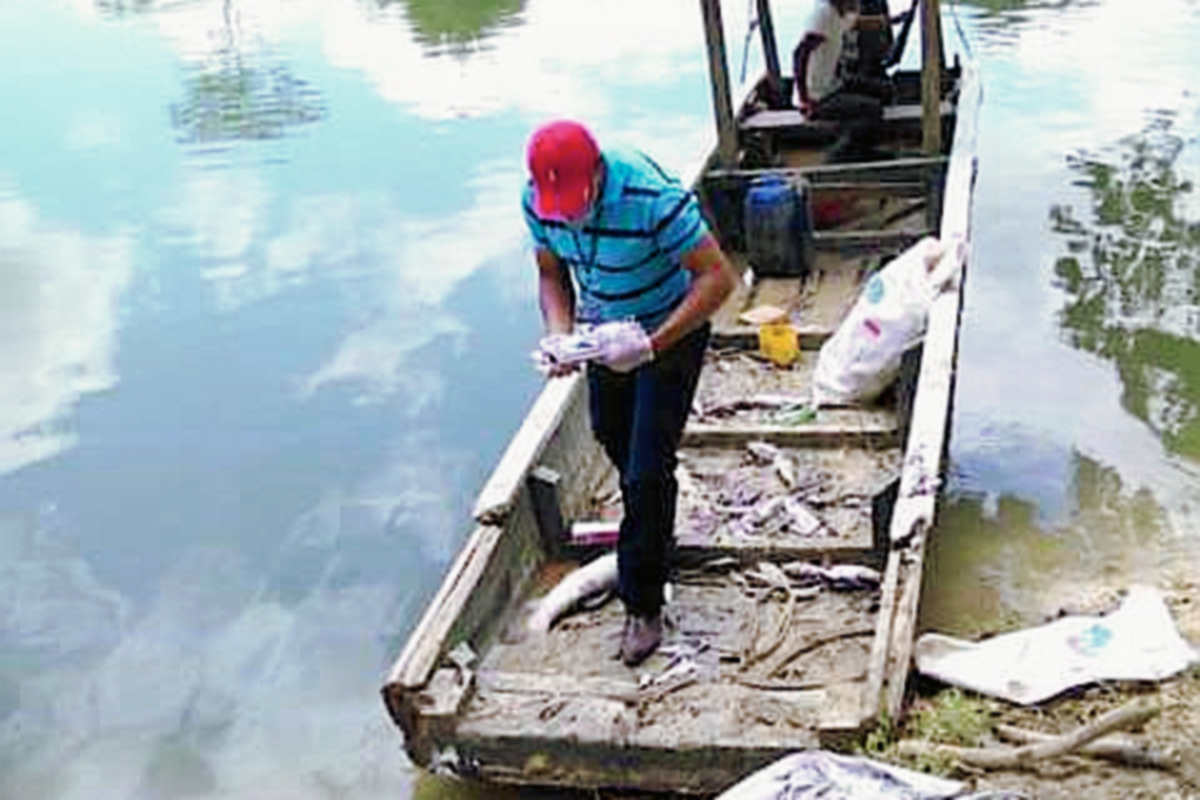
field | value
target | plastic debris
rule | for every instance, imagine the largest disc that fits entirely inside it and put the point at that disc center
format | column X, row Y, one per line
column 813, row 774
column 796, row 415
column 1138, row 641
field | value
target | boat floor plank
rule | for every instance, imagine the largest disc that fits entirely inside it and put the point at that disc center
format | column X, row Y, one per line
column 816, row 308
column 835, row 485
column 765, row 671
column 732, row 385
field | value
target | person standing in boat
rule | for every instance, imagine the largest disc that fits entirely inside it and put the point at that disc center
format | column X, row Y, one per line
column 829, row 86
column 618, row 240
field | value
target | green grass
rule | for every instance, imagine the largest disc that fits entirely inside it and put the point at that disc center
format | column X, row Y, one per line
column 949, row 717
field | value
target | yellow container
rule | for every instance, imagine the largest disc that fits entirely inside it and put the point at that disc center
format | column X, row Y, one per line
column 780, row 342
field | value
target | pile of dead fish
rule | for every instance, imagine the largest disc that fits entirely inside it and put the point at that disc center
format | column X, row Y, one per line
column 803, row 575
column 748, row 513
column 776, row 403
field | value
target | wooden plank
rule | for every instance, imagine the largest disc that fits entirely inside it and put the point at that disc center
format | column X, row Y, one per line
column 779, row 292
column 543, row 485
column 931, row 78
column 822, row 301
column 718, row 71
column 557, row 684
column 856, row 546
column 867, row 242
column 500, row 492
column 597, row 765
column 881, row 644
column 916, row 505
column 889, row 188
column 417, row 661
column 901, row 168
column 766, row 27
column 900, row 648
column 842, row 715
column 833, row 287
column 773, row 119
column 745, row 337
column 859, row 429
column 719, row 704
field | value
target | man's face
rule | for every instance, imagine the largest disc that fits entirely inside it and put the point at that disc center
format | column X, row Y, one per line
column 578, row 220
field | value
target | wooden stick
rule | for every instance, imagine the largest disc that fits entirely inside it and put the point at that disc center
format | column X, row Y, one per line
column 1126, row 716
column 807, row 645
column 1121, row 750
column 718, row 71
column 931, row 77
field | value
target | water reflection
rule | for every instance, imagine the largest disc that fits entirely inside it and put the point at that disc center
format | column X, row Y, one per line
column 1132, row 280
column 240, row 90
column 997, row 563
column 60, row 292
column 121, row 8
column 223, row 679
column 456, row 26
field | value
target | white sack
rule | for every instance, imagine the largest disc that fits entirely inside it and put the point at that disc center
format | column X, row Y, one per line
column 863, row 356
column 1138, row 641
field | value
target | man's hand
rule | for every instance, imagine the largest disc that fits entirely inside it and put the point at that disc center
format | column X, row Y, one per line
column 624, row 346
column 545, row 361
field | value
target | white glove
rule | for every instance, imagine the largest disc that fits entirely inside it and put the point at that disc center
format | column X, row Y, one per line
column 624, row 345
column 563, row 353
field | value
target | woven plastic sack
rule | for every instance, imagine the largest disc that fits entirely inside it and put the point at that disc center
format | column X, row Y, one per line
column 863, row 356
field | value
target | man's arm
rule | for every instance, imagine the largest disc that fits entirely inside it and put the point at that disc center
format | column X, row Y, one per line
column 808, row 45
column 713, row 278
column 556, row 295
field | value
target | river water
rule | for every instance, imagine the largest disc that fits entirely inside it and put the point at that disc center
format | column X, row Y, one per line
column 265, row 304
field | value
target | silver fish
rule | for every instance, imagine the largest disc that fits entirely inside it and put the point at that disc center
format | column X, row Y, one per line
column 597, row 576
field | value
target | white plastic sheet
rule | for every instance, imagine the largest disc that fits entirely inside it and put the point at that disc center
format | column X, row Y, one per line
column 1138, row 641
column 812, row 774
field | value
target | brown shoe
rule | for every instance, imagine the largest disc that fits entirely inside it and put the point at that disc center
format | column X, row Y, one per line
column 642, row 637
column 624, row 637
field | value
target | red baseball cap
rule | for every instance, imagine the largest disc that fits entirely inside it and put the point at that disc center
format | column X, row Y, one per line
column 562, row 159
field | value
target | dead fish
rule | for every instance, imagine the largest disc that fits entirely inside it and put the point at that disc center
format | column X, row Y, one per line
column 764, row 519
column 770, row 573
column 852, row 576
column 839, row 576
column 763, row 452
column 597, row 576
column 803, row 520
column 786, row 469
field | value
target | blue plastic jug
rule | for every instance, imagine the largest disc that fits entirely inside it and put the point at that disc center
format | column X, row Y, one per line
column 778, row 227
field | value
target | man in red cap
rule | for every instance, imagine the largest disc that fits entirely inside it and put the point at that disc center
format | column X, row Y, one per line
column 622, row 245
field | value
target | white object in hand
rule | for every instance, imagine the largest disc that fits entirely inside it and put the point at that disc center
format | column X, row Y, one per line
column 564, row 349
column 624, row 345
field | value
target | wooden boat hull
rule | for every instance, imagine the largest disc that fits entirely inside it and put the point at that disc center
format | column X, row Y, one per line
column 770, row 667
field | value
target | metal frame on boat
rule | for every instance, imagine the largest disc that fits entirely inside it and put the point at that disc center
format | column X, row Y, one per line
column 773, row 666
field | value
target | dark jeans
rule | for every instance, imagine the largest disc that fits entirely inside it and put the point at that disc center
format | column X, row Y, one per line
column 638, row 418
column 859, row 116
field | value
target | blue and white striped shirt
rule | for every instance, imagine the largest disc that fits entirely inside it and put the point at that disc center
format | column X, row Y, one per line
column 626, row 258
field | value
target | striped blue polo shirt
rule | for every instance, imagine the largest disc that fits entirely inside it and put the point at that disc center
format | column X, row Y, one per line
column 626, row 257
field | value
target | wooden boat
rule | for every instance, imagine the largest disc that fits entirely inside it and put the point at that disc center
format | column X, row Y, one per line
column 752, row 667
